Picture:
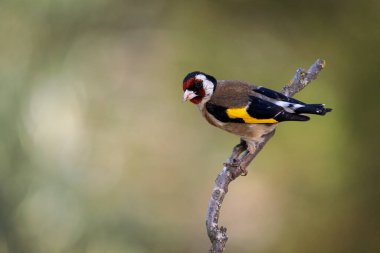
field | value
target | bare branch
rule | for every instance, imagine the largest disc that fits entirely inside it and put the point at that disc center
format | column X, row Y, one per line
column 234, row 166
column 303, row 78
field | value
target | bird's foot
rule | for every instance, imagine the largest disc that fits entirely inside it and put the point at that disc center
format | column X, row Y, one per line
column 233, row 163
column 243, row 170
column 238, row 149
column 251, row 148
column 236, row 168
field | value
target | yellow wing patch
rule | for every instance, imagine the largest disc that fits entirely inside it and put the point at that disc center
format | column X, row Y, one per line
column 241, row 113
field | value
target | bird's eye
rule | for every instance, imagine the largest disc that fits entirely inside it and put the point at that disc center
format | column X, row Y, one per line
column 198, row 86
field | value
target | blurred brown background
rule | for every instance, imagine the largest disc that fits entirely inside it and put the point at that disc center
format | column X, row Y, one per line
column 99, row 155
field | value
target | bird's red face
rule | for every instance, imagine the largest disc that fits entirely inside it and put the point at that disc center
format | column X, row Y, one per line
column 193, row 90
column 198, row 87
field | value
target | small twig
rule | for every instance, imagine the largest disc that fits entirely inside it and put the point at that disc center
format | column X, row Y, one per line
column 218, row 235
column 303, row 78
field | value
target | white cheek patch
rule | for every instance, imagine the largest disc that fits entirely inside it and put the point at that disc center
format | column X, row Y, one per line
column 208, row 86
column 201, row 77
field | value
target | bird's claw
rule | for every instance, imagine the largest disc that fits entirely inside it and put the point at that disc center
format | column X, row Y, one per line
column 236, row 164
column 243, row 170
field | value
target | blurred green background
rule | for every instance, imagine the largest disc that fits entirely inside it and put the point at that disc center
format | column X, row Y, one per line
column 99, row 155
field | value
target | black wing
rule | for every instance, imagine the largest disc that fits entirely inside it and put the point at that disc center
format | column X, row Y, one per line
column 261, row 109
column 276, row 95
column 256, row 112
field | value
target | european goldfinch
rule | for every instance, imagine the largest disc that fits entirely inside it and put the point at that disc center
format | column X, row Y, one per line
column 246, row 110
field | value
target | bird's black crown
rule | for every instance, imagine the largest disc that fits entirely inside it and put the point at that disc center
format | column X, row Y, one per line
column 195, row 73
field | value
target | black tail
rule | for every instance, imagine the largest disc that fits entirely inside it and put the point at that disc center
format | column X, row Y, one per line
column 287, row 116
column 318, row 109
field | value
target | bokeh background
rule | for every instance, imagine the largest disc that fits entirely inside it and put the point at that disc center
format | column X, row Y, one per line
column 99, row 155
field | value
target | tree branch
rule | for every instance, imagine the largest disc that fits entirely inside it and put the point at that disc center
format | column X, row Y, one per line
column 235, row 166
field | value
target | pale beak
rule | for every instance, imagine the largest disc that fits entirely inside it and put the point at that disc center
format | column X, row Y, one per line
column 188, row 95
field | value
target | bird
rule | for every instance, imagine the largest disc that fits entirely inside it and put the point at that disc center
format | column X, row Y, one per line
column 244, row 109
